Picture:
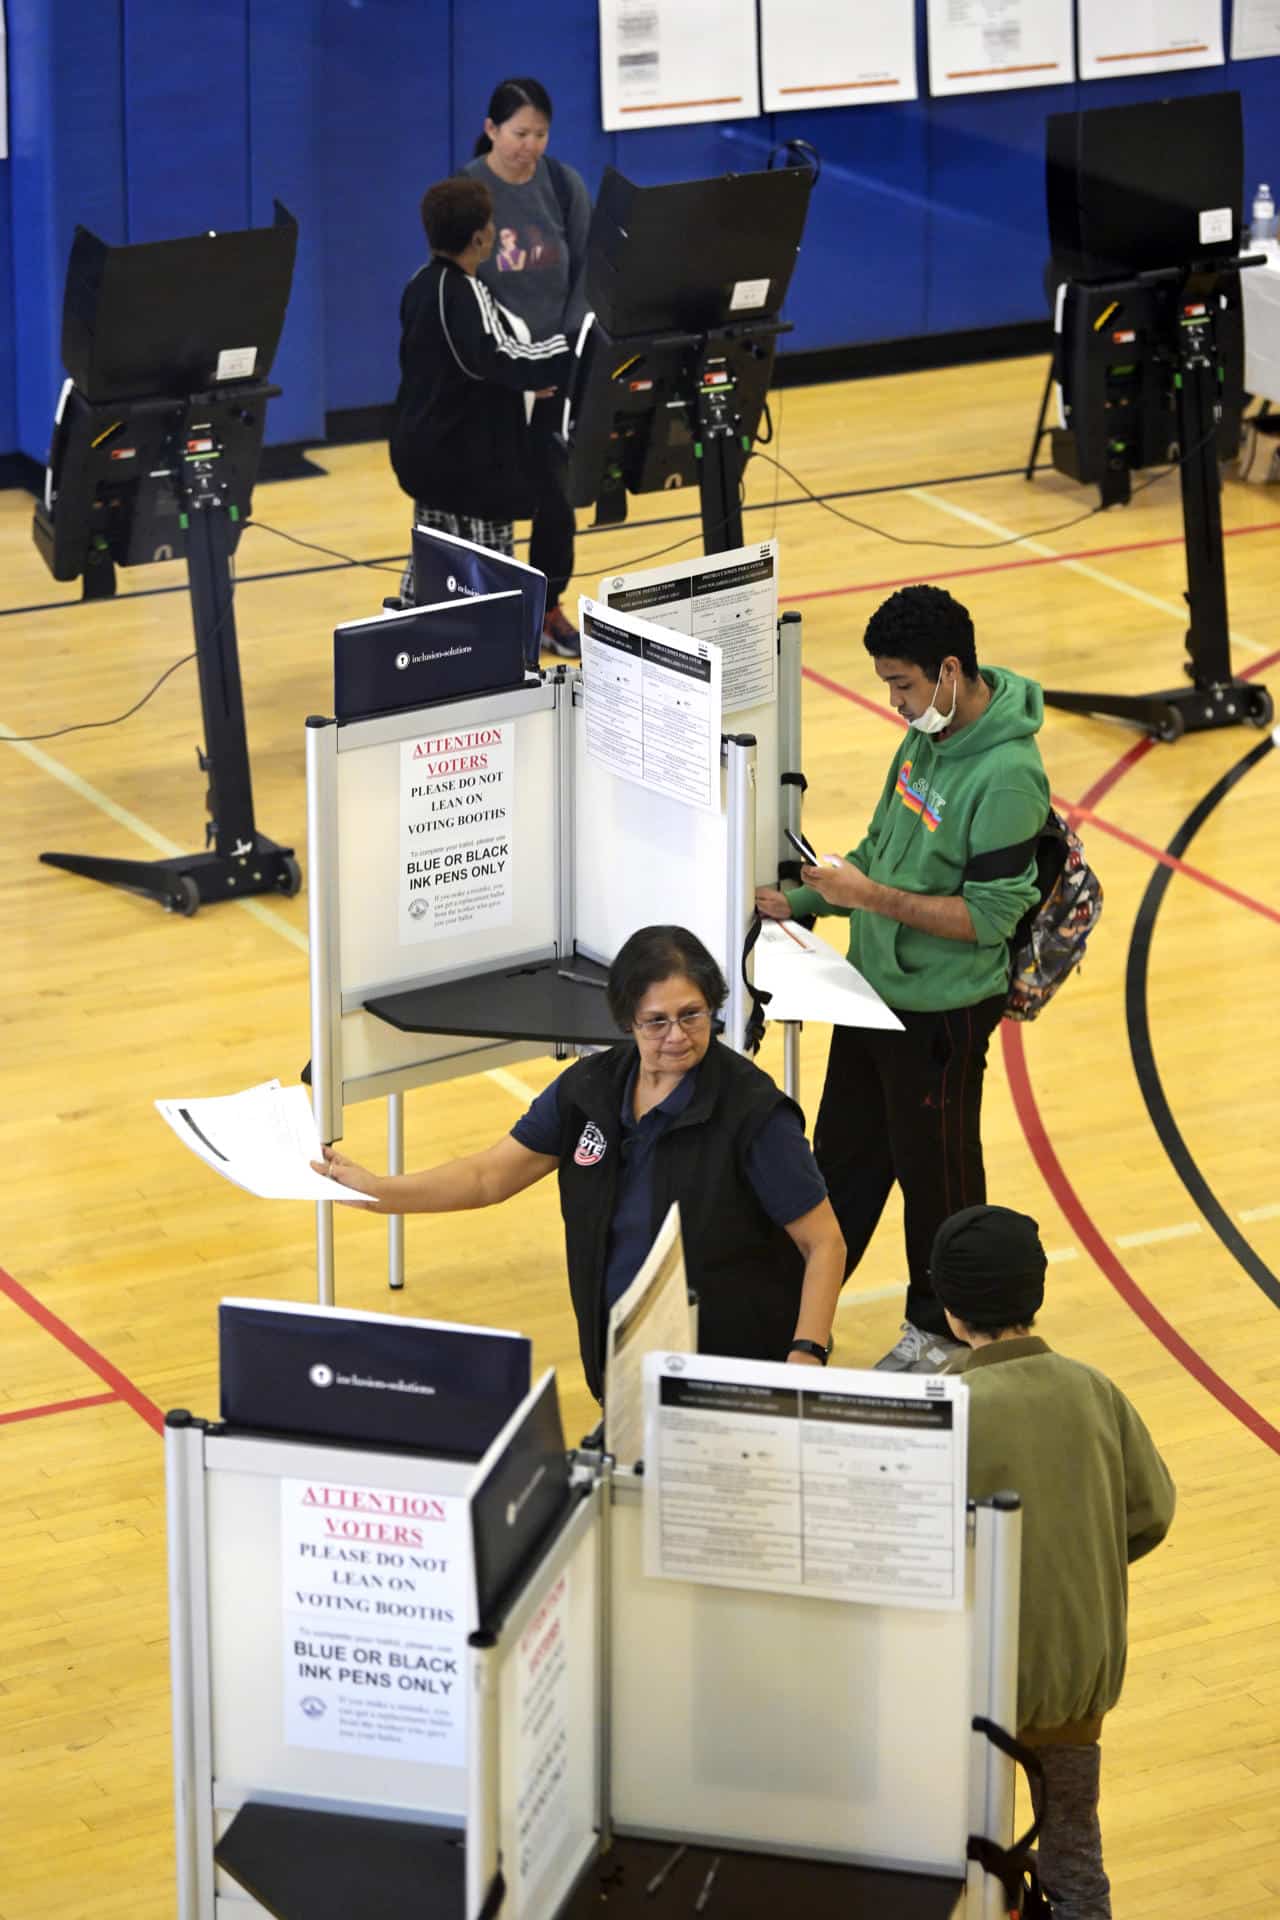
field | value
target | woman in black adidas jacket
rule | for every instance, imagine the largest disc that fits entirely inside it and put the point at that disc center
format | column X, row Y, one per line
column 459, row 438
column 669, row 1114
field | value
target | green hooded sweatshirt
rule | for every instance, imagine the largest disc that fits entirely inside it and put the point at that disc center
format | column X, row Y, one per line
column 944, row 801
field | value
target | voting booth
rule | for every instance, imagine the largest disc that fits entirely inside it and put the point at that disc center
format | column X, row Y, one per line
column 406, row 1680
column 476, row 863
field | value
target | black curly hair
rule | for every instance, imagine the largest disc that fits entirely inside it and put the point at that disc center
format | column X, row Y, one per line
column 925, row 626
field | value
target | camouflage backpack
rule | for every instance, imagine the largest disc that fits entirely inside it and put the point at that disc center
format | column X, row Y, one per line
column 1048, row 942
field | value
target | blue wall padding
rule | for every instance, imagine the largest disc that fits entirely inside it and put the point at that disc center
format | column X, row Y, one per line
column 67, row 167
column 146, row 119
column 285, row 136
column 382, row 122
column 186, row 125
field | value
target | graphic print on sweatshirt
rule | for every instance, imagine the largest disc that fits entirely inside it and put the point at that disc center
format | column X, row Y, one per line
column 920, row 798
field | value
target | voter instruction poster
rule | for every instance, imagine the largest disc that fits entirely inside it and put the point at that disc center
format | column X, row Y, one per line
column 456, row 828
column 377, row 1589
column 652, row 700
column 838, row 1484
column 729, row 599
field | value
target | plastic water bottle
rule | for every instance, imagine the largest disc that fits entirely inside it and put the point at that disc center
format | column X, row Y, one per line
column 1262, row 225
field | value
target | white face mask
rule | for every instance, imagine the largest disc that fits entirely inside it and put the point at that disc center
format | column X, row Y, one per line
column 931, row 721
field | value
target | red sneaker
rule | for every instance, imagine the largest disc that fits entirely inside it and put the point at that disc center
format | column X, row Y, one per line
column 560, row 636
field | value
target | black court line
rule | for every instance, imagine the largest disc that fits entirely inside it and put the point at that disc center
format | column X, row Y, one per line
column 391, row 562
column 1138, row 1023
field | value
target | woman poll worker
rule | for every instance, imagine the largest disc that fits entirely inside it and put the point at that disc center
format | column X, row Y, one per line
column 667, row 1114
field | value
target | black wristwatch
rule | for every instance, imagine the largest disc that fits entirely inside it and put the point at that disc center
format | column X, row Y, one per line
column 809, row 1346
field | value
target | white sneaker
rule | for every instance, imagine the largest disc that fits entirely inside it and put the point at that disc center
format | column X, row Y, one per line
column 919, row 1352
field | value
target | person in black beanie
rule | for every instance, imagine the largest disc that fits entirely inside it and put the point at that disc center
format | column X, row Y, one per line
column 1095, row 1496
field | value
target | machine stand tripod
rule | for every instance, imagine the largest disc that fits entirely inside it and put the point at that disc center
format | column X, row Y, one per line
column 1215, row 697
column 239, row 861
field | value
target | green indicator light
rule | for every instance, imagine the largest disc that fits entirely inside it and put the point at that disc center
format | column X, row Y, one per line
column 233, row 513
column 184, row 521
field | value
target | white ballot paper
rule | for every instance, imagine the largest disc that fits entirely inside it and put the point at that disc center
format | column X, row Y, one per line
column 652, row 704
column 263, row 1140
column 730, row 599
column 835, row 1483
column 652, row 1316
column 809, row 980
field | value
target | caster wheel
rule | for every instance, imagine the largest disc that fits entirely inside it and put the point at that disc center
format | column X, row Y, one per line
column 188, row 898
column 289, row 880
column 1259, row 708
column 1171, row 725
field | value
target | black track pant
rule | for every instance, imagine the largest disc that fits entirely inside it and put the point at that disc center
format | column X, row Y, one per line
column 906, row 1107
column 551, row 538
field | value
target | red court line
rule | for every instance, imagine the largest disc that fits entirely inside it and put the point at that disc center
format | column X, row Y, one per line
column 1102, row 1255
column 1169, row 860
column 67, row 1337
column 59, row 1406
column 1011, row 566
column 1114, row 773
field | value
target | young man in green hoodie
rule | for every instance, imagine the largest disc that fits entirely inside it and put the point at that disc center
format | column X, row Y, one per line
column 932, row 893
column 1095, row 1495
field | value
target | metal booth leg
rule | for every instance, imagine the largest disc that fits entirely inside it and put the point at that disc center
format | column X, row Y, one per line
column 395, row 1164
column 324, row 1252
column 791, row 1059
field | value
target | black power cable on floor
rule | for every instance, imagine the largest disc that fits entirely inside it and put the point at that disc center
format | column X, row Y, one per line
column 981, row 546
column 85, row 726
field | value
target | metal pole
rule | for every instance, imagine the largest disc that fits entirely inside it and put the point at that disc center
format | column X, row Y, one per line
column 188, row 1665
column 740, row 829
column 322, row 961
column 604, row 1667
column 395, row 1164
column 565, row 816
column 791, row 1059
column 482, row 1774
column 790, row 765
column 996, row 1598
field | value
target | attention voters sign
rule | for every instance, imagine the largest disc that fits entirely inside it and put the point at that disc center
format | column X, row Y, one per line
column 456, row 797
column 377, row 1593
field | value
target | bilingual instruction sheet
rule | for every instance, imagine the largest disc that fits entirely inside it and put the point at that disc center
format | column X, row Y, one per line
column 652, row 703
column 841, row 1484
column 728, row 599
column 456, row 800
column 377, row 1591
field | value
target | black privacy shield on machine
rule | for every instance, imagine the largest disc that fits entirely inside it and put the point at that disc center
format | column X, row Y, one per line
column 429, row 1385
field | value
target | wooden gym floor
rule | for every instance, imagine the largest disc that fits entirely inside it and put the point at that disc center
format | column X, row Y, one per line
column 1137, row 1121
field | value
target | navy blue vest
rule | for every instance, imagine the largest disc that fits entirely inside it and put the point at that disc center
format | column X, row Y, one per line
column 746, row 1272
